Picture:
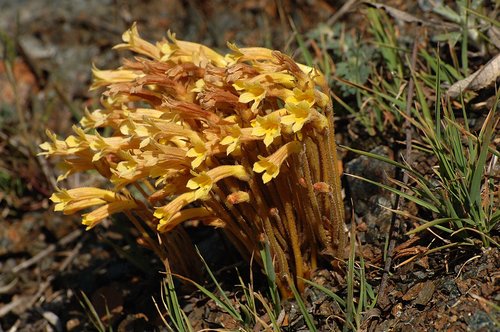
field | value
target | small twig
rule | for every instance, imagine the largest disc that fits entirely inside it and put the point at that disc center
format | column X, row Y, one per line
column 70, row 257
column 28, row 303
column 466, row 262
column 395, row 222
column 342, row 11
column 62, row 242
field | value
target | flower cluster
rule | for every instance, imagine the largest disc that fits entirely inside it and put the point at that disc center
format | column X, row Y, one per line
column 240, row 141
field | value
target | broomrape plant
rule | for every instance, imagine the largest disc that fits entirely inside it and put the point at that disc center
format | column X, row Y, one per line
column 242, row 141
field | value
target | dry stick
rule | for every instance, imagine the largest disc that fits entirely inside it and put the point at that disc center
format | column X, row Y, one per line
column 65, row 240
column 22, row 300
column 395, row 222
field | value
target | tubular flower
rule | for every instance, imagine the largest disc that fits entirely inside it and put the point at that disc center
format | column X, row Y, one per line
column 184, row 215
column 199, row 152
column 106, row 77
column 299, row 115
column 165, row 213
column 253, row 91
column 204, row 181
column 74, row 200
column 232, row 140
column 178, row 138
column 91, row 219
column 272, row 164
column 268, row 126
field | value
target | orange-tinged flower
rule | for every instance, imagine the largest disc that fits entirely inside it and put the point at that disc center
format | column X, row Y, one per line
column 268, row 126
column 184, row 215
column 184, row 51
column 298, row 95
column 199, row 152
column 165, row 213
column 232, row 140
column 299, row 114
column 91, row 219
column 204, row 181
column 272, row 164
column 134, row 42
column 73, row 200
column 253, row 91
column 107, row 77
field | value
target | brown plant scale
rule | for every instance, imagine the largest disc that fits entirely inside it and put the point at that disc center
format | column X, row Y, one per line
column 242, row 141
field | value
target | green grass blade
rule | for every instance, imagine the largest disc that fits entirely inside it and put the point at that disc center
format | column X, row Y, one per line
column 415, row 200
column 270, row 273
column 94, row 318
column 430, row 224
column 302, row 307
column 327, row 291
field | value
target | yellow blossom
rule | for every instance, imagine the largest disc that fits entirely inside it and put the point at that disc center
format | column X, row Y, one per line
column 253, row 91
column 272, row 164
column 73, row 200
column 298, row 95
column 165, row 213
column 232, row 140
column 199, row 152
column 106, row 77
column 299, row 115
column 91, row 219
column 184, row 215
column 134, row 42
column 268, row 126
column 204, row 181
column 184, row 51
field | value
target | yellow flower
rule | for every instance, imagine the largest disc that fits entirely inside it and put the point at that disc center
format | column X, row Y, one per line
column 232, row 140
column 73, row 200
column 166, row 212
column 134, row 42
column 184, row 215
column 247, row 54
column 272, row 164
column 299, row 115
column 298, row 95
column 106, row 77
column 184, row 51
column 204, row 181
column 268, row 126
column 91, row 219
column 199, row 152
column 254, row 91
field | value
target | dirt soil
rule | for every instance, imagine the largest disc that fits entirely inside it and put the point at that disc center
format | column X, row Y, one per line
column 47, row 260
